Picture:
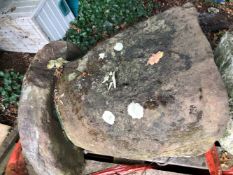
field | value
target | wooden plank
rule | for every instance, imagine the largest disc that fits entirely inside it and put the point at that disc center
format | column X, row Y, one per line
column 4, row 132
column 8, row 143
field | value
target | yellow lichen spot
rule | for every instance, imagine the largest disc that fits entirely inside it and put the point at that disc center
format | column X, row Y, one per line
column 58, row 63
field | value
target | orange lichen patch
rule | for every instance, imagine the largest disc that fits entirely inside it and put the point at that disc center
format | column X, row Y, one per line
column 154, row 59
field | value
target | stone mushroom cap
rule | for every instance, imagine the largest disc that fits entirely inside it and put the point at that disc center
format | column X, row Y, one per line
column 177, row 106
column 43, row 141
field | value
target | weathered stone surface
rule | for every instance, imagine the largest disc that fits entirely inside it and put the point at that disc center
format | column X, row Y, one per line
column 185, row 106
column 224, row 61
column 213, row 22
column 43, row 141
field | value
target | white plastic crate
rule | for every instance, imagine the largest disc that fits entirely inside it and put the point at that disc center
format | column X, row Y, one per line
column 27, row 25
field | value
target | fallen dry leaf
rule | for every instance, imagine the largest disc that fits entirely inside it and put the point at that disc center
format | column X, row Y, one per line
column 75, row 28
column 154, row 59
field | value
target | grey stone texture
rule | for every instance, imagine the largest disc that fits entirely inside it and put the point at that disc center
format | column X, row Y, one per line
column 185, row 104
column 43, row 140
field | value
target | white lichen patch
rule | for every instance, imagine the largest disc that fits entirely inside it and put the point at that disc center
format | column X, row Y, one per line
column 110, row 86
column 118, row 47
column 82, row 64
column 62, row 95
column 135, row 110
column 110, row 78
column 108, row 117
column 101, row 55
column 106, row 78
column 72, row 76
column 114, row 79
column 25, row 92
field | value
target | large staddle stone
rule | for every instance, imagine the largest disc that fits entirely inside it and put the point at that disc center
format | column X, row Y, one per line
column 43, row 141
column 175, row 107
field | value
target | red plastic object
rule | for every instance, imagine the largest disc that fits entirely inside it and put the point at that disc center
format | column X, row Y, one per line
column 228, row 172
column 213, row 162
column 122, row 170
column 16, row 164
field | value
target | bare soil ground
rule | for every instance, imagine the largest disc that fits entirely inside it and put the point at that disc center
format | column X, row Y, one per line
column 18, row 62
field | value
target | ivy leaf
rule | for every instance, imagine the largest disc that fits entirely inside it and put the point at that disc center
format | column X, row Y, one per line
column 10, row 87
column 101, row 19
column 1, row 74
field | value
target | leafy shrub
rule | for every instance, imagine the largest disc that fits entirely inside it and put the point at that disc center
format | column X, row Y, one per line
column 10, row 87
column 101, row 18
column 216, row 2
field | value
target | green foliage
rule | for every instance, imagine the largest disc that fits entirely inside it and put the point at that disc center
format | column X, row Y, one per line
column 10, row 87
column 212, row 2
column 102, row 18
